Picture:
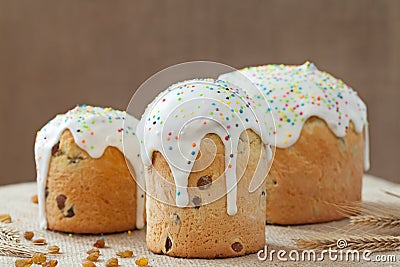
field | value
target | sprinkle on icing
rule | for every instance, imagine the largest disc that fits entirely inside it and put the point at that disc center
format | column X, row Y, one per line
column 177, row 120
column 295, row 93
column 94, row 129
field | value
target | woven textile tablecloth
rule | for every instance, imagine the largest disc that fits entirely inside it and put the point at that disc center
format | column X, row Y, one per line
column 16, row 201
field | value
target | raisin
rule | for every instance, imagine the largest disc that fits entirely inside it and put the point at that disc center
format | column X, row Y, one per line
column 196, row 201
column 35, row 199
column 23, row 263
column 55, row 150
column 46, row 192
column 113, row 262
column 204, row 182
column 237, row 247
column 50, row 263
column 142, row 262
column 100, row 243
column 176, row 218
column 125, row 254
column 93, row 256
column 39, row 258
column 53, row 249
column 39, row 242
column 93, row 250
column 61, row 201
column 5, row 218
column 88, row 263
column 70, row 212
column 74, row 160
column 29, row 235
column 168, row 244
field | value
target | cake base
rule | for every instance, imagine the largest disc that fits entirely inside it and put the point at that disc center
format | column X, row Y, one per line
column 86, row 195
column 311, row 179
column 205, row 230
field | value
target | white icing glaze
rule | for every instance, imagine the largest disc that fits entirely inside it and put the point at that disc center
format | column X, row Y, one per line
column 177, row 120
column 296, row 93
column 93, row 129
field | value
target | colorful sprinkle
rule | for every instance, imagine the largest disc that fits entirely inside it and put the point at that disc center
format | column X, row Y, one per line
column 302, row 91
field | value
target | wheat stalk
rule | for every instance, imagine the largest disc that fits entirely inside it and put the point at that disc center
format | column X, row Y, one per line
column 18, row 250
column 9, row 234
column 352, row 242
column 373, row 215
column 377, row 216
column 392, row 194
column 377, row 221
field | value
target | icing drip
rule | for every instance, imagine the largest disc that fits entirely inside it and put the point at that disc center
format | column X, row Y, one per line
column 94, row 129
column 296, row 93
column 178, row 119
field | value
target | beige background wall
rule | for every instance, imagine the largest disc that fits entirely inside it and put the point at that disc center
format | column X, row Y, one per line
column 56, row 54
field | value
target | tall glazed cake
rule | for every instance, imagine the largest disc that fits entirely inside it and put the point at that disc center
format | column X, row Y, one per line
column 201, row 144
column 84, row 183
column 321, row 139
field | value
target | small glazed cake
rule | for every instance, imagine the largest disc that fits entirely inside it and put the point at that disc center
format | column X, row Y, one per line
column 84, row 182
column 205, row 157
column 321, row 141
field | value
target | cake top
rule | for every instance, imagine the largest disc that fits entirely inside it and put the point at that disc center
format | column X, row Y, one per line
column 177, row 120
column 298, row 92
column 93, row 129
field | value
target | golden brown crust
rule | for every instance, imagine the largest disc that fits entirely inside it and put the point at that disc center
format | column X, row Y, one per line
column 87, row 195
column 207, row 231
column 320, row 170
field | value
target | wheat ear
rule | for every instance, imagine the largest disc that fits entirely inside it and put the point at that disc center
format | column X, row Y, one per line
column 18, row 250
column 10, row 243
column 9, row 234
column 351, row 242
column 377, row 221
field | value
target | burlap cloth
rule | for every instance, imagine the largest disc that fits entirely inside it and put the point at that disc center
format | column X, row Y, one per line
column 16, row 201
